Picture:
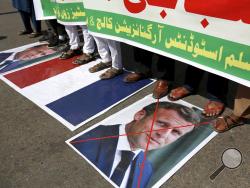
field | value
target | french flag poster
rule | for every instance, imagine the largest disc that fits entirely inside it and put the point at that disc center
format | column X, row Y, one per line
column 68, row 92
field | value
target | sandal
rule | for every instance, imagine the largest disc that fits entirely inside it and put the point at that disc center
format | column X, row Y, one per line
column 100, row 66
column 110, row 73
column 85, row 58
column 226, row 123
column 179, row 93
column 213, row 108
column 70, row 53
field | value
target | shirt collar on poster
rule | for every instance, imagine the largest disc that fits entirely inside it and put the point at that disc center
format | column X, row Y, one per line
column 123, row 145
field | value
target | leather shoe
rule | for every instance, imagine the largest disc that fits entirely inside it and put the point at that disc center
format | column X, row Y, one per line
column 134, row 77
column 161, row 89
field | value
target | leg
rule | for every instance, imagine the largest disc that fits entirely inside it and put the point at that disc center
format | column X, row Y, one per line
column 89, row 44
column 88, row 48
column 36, row 23
column 115, row 51
column 192, row 81
column 52, row 25
column 241, row 113
column 50, row 35
column 103, row 50
column 26, row 22
column 57, row 35
column 73, row 42
column 165, row 70
column 242, row 102
column 116, row 69
column 143, row 59
column 60, row 29
column 216, row 89
column 62, row 35
column 193, row 77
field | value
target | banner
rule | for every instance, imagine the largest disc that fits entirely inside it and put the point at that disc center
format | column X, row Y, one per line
column 67, row 12
column 44, row 9
column 211, row 35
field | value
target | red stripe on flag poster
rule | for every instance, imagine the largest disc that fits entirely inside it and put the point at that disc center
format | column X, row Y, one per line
column 39, row 72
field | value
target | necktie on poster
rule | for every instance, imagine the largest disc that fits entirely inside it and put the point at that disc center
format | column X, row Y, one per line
column 118, row 174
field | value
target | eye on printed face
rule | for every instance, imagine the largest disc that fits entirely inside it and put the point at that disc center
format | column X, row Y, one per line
column 166, row 129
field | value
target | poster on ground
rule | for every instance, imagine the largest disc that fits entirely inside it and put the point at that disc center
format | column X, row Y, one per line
column 144, row 144
column 24, row 56
column 69, row 92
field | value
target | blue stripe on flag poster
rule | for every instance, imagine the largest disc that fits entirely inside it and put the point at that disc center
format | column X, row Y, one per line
column 88, row 101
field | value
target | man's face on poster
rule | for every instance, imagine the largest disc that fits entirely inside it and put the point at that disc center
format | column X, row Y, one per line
column 166, row 129
column 34, row 52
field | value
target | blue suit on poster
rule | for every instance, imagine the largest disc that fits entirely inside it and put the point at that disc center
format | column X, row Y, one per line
column 4, row 63
column 7, row 62
column 102, row 152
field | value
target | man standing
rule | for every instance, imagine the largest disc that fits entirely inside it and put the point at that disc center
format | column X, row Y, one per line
column 120, row 157
column 27, row 12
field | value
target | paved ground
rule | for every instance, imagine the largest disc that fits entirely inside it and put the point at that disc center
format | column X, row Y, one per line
column 33, row 153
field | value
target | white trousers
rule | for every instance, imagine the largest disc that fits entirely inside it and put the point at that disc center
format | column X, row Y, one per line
column 109, row 50
column 74, row 41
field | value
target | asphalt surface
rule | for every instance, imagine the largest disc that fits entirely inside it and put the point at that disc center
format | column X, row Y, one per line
column 33, row 152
